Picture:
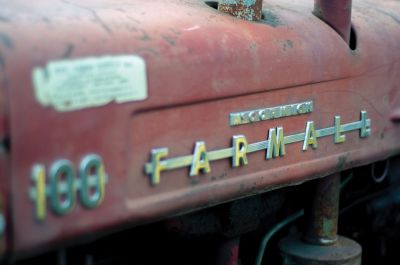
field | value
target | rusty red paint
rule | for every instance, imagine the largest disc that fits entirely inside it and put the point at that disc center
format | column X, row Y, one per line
column 337, row 14
column 201, row 66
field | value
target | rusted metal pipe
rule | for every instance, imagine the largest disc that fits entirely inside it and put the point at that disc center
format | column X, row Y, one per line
column 337, row 14
column 244, row 9
column 322, row 216
column 321, row 245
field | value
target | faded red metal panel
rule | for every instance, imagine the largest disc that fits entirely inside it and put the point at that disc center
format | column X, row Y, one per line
column 337, row 14
column 201, row 66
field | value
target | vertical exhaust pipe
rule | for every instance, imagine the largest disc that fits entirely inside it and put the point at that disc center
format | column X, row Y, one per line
column 337, row 14
column 244, row 9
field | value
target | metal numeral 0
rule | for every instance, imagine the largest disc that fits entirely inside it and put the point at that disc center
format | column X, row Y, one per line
column 92, row 181
column 62, row 196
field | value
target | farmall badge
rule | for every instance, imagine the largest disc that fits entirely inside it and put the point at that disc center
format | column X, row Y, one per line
column 274, row 146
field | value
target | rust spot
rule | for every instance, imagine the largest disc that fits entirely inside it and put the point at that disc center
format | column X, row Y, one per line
column 286, row 45
column 170, row 40
column 243, row 9
column 253, row 46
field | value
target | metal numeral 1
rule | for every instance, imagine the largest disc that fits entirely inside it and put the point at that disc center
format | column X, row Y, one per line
column 39, row 178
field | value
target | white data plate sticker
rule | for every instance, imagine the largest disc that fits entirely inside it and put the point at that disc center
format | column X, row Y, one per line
column 90, row 82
